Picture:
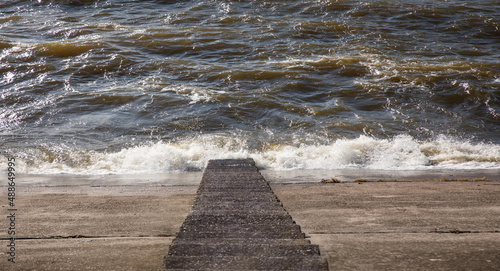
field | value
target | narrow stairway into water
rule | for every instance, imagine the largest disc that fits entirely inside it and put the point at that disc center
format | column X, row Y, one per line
column 237, row 223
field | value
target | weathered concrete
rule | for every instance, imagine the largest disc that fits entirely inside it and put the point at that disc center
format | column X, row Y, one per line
column 94, row 228
column 371, row 226
column 237, row 223
column 400, row 225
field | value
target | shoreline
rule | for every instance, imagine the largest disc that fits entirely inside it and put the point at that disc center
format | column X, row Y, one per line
column 272, row 176
column 350, row 175
column 111, row 222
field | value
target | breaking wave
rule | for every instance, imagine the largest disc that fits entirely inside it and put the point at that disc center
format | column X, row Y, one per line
column 400, row 153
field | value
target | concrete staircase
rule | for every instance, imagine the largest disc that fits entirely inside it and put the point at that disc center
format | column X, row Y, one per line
column 237, row 223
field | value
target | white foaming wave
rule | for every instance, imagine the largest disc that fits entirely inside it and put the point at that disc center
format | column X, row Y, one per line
column 399, row 153
column 452, row 153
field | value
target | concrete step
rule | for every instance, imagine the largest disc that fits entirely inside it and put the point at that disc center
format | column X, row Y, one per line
column 242, row 249
column 207, row 199
column 236, row 231
column 251, row 186
column 246, row 263
column 241, row 195
column 240, row 189
column 240, row 205
column 239, row 219
column 232, row 177
column 253, row 228
column 229, row 211
column 228, row 164
column 265, row 241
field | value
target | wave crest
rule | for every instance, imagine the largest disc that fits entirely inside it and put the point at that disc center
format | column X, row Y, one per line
column 400, row 153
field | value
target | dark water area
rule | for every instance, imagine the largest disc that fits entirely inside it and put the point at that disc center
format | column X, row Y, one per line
column 157, row 86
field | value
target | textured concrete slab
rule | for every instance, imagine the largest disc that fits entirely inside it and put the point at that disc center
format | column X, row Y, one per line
column 411, row 251
column 370, row 226
column 237, row 223
column 73, row 254
column 400, row 225
column 95, row 228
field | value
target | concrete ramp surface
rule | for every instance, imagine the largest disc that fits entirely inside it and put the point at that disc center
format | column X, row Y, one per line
column 237, row 223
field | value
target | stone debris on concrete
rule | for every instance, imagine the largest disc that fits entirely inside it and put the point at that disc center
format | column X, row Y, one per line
column 237, row 223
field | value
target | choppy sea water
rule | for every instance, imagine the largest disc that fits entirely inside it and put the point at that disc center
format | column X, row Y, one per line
column 152, row 86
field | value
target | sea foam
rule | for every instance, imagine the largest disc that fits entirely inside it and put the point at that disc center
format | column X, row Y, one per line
column 399, row 153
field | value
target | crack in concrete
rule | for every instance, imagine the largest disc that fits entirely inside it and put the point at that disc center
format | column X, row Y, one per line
column 87, row 237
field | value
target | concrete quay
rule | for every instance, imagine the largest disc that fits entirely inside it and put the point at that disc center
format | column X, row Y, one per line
column 128, row 222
